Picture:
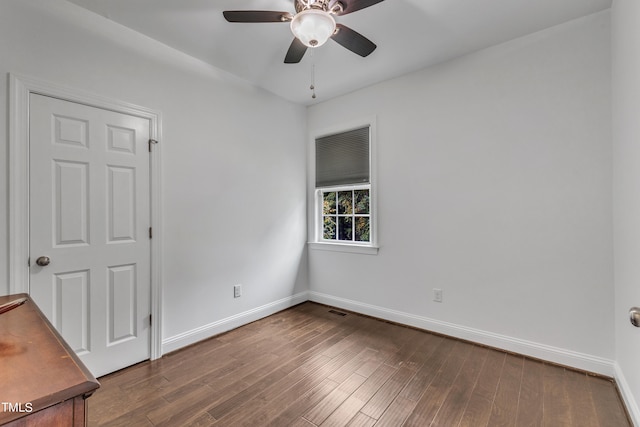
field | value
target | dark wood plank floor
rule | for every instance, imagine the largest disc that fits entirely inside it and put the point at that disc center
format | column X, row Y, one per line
column 309, row 367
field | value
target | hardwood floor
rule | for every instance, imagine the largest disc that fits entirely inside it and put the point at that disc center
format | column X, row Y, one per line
column 307, row 366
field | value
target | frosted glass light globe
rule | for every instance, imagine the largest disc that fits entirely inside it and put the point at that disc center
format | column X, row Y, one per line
column 313, row 27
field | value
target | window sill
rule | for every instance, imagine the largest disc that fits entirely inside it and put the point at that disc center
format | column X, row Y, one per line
column 343, row 247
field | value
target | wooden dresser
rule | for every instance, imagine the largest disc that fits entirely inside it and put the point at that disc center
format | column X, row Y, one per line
column 42, row 381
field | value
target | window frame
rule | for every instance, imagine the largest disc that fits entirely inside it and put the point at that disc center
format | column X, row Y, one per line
column 316, row 241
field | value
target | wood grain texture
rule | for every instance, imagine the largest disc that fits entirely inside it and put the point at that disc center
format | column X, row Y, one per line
column 308, row 367
column 40, row 375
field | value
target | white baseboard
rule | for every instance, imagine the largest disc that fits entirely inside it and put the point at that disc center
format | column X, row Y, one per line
column 557, row 355
column 627, row 396
column 207, row 331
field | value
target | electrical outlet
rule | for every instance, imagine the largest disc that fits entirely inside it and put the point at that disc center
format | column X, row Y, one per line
column 437, row 295
column 237, row 291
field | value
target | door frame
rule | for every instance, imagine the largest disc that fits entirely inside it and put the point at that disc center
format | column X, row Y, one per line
column 20, row 89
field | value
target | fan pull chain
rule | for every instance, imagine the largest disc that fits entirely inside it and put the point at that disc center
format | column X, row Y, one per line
column 313, row 77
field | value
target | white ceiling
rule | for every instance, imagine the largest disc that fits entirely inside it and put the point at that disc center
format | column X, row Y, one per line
column 410, row 34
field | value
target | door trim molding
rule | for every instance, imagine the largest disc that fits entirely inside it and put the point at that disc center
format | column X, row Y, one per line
column 20, row 87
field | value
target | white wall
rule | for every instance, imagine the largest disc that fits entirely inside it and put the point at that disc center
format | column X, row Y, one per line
column 626, row 184
column 494, row 184
column 233, row 161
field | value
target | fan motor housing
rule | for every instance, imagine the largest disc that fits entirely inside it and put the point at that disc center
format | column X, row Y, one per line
column 324, row 5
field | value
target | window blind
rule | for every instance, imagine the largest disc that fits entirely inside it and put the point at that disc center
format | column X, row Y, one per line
column 343, row 158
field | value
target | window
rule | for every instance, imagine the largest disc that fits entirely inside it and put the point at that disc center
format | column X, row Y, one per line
column 346, row 215
column 344, row 205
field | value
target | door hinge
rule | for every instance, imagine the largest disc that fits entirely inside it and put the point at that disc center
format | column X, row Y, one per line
column 151, row 142
column 150, row 318
column 150, row 233
column 28, row 261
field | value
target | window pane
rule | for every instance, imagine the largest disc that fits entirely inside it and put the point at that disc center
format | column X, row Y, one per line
column 329, row 228
column 345, row 202
column 329, row 203
column 345, row 225
column 362, row 229
column 361, row 201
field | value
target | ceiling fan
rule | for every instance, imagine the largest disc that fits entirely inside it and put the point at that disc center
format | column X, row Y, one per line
column 313, row 24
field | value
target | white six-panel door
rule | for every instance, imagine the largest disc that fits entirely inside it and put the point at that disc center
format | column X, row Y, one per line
column 90, row 216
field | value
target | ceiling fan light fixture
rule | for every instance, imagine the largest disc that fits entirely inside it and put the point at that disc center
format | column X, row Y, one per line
column 313, row 27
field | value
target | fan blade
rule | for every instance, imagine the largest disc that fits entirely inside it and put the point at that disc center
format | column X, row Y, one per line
column 353, row 40
column 256, row 16
column 295, row 53
column 349, row 6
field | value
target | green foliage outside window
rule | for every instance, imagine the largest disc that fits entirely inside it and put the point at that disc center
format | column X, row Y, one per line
column 346, row 215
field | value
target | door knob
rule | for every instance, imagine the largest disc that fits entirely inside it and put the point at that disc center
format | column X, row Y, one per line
column 43, row 261
column 634, row 315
